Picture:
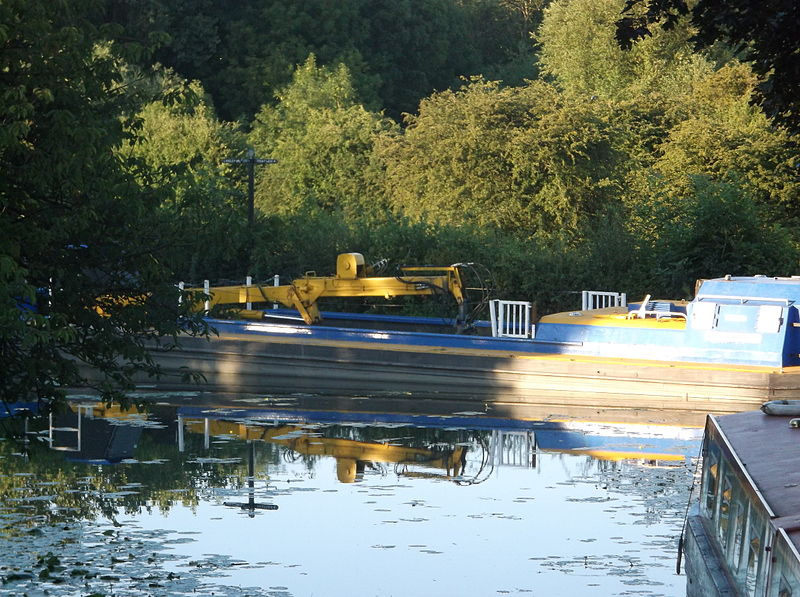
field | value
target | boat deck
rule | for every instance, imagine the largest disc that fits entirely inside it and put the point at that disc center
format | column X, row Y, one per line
column 618, row 317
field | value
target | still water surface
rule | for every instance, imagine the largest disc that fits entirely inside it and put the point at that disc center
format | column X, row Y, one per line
column 258, row 497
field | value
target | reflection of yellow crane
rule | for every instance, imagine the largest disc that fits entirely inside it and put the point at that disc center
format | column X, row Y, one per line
column 353, row 279
column 350, row 455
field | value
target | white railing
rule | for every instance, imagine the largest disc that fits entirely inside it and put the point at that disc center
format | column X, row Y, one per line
column 595, row 299
column 510, row 319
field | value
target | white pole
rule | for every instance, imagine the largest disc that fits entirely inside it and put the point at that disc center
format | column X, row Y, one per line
column 207, row 290
column 248, row 282
column 527, row 320
column 515, row 313
column 276, row 281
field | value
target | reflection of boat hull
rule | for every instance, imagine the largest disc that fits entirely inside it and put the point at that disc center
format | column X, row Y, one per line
column 603, row 441
column 259, row 357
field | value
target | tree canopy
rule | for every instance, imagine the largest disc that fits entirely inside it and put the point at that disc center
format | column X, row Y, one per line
column 762, row 34
column 497, row 157
column 325, row 138
column 397, row 51
column 82, row 282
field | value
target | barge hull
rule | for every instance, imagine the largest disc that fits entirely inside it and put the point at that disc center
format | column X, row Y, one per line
column 253, row 363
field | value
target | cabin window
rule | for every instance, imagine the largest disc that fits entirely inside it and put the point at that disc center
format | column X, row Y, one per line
column 738, row 522
column 733, row 513
column 786, row 570
column 755, row 553
column 710, row 482
column 785, row 587
column 789, row 584
column 769, row 319
column 704, row 315
column 725, row 510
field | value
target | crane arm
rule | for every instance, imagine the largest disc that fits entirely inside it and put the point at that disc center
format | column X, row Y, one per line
column 351, row 280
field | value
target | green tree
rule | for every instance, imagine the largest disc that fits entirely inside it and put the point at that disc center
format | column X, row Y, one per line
column 524, row 159
column 74, row 224
column 579, row 50
column 718, row 229
column 759, row 32
column 397, row 51
column 181, row 146
column 324, row 141
column 725, row 137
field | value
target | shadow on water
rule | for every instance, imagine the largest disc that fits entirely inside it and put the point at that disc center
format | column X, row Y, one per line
column 156, row 502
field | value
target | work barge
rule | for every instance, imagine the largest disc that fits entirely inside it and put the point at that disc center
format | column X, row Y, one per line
column 734, row 346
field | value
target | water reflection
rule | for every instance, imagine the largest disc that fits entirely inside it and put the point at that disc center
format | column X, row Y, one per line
column 264, row 497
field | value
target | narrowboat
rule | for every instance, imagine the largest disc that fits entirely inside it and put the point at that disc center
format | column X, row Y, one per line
column 742, row 536
column 732, row 347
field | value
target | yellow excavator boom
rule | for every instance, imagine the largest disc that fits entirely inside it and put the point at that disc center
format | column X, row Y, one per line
column 352, row 279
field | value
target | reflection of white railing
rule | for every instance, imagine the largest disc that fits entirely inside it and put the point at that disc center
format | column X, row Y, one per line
column 512, row 448
column 206, row 433
column 77, row 430
column 510, row 319
column 595, row 299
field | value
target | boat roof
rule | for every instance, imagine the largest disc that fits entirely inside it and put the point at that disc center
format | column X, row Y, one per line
column 769, row 452
column 752, row 287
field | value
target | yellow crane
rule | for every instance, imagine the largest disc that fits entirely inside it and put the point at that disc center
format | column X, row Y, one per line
column 353, row 278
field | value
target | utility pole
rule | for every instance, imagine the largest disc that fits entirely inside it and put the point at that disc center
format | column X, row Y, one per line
column 251, row 160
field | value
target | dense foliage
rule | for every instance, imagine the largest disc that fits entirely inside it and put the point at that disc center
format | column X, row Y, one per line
column 397, row 50
column 81, row 282
column 763, row 34
column 515, row 133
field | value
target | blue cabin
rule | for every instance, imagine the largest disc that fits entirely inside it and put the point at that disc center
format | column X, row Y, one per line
column 736, row 320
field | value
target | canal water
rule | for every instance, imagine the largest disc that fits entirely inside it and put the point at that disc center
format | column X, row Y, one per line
column 263, row 497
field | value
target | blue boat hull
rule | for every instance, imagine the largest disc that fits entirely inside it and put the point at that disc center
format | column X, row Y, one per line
column 255, row 357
